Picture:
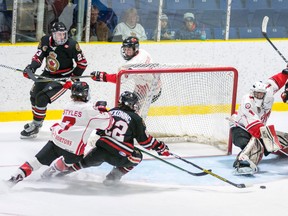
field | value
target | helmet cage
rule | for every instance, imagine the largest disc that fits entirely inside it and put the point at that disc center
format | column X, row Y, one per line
column 130, row 42
column 59, row 33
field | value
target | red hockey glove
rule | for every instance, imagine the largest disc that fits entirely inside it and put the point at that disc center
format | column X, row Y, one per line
column 162, row 149
column 27, row 70
column 99, row 76
column 101, row 106
column 67, row 84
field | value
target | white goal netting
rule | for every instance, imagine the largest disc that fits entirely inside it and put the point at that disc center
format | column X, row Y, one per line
column 184, row 102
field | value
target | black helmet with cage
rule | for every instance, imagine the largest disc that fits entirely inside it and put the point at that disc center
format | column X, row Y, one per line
column 59, row 33
column 129, row 101
column 80, row 91
column 130, row 42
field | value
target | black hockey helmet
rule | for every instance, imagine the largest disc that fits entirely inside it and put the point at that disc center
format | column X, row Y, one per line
column 80, row 91
column 130, row 100
column 57, row 29
column 130, row 42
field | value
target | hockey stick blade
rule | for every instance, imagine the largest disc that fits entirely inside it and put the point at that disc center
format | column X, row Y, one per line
column 210, row 172
column 171, row 164
column 264, row 33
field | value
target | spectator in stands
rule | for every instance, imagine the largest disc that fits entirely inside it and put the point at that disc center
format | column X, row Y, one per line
column 98, row 29
column 166, row 34
column 130, row 26
column 190, row 29
column 5, row 27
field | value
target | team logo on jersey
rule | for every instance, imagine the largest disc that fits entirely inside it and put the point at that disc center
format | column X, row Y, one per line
column 44, row 48
column 52, row 63
column 77, row 47
column 247, row 105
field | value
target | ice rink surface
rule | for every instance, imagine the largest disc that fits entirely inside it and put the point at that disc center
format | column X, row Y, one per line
column 152, row 188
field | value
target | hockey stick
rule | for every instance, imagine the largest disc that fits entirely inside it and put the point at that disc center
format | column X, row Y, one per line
column 171, row 164
column 210, row 172
column 238, row 125
column 264, row 32
column 43, row 78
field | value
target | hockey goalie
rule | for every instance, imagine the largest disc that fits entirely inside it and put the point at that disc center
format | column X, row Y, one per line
column 248, row 125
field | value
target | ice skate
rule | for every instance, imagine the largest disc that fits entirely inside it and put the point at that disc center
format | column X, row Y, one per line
column 243, row 168
column 31, row 130
column 14, row 180
column 113, row 178
column 48, row 173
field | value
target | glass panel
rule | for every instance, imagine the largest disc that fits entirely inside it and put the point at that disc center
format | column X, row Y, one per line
column 5, row 21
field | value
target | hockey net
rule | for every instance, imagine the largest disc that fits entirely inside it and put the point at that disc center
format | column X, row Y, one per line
column 183, row 102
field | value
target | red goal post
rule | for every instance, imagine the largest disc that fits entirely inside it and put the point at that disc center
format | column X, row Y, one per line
column 193, row 101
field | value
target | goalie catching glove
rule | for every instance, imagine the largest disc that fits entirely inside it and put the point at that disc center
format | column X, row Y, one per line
column 162, row 149
column 284, row 94
column 99, row 76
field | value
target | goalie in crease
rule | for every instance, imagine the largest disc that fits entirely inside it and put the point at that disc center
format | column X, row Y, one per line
column 147, row 87
column 248, row 125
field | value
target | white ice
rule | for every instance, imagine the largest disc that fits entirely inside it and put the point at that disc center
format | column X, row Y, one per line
column 152, row 188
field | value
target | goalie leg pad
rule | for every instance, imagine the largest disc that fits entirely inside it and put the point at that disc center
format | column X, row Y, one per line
column 270, row 139
column 248, row 159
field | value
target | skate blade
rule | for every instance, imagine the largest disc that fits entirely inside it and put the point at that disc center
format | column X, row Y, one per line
column 28, row 137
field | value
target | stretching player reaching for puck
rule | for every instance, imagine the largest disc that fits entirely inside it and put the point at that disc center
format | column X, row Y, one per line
column 61, row 53
column 248, row 125
column 116, row 145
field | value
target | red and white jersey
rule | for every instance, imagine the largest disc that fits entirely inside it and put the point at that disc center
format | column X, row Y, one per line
column 252, row 117
column 79, row 119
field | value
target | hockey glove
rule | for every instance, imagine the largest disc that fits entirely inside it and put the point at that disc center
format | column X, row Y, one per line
column 162, row 149
column 285, row 71
column 68, row 84
column 27, row 70
column 99, row 76
column 101, row 106
column 284, row 94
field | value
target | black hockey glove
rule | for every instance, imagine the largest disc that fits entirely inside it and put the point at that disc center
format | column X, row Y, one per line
column 162, row 149
column 285, row 71
column 99, row 76
column 101, row 106
column 27, row 70
column 284, row 94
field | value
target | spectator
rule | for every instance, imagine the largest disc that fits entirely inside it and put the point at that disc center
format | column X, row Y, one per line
column 190, row 29
column 98, row 29
column 166, row 34
column 130, row 26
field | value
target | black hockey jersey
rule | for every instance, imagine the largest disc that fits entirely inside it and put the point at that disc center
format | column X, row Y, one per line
column 128, row 125
column 60, row 59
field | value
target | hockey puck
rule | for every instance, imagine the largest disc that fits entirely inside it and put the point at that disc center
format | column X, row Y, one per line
column 263, row 187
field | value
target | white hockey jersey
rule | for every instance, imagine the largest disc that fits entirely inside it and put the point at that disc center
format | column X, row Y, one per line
column 252, row 117
column 79, row 119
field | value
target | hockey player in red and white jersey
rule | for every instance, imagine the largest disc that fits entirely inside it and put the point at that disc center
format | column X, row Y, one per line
column 69, row 137
column 147, row 86
column 248, row 125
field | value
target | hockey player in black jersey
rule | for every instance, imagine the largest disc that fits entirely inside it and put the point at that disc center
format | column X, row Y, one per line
column 61, row 53
column 116, row 145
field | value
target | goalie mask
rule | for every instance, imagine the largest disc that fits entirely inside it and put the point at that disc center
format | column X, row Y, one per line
column 258, row 92
column 80, row 91
column 59, row 33
column 130, row 48
column 130, row 100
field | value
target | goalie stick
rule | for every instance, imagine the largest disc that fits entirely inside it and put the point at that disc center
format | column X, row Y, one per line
column 43, row 78
column 205, row 171
column 264, row 32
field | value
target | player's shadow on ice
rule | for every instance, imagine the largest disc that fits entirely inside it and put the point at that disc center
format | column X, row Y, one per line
column 92, row 188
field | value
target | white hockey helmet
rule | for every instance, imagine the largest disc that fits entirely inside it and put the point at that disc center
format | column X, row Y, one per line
column 258, row 92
